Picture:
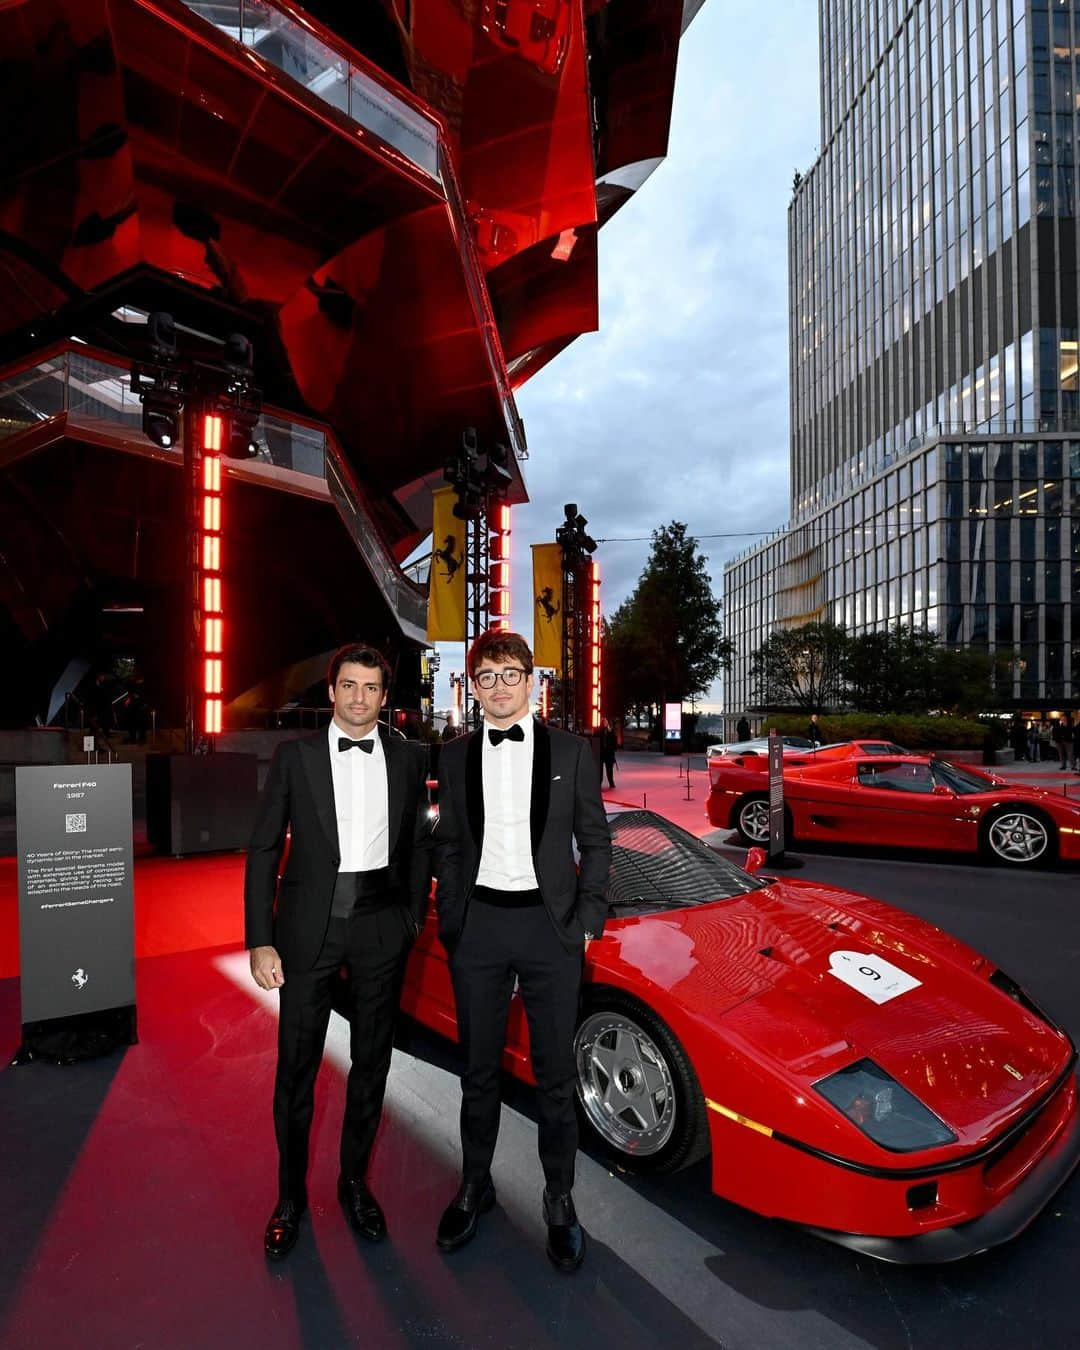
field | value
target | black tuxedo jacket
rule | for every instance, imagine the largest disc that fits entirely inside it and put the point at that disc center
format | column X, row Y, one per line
column 566, row 806
column 299, row 798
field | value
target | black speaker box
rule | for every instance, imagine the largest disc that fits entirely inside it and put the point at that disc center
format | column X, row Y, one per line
column 200, row 803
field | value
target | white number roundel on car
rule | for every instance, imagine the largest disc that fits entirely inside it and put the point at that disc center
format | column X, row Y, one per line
column 879, row 980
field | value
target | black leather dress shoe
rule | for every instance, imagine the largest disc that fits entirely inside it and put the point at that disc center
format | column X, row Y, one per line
column 461, row 1218
column 283, row 1229
column 362, row 1209
column 566, row 1238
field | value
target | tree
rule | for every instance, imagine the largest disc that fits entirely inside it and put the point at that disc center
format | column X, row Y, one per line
column 800, row 667
column 890, row 669
column 665, row 642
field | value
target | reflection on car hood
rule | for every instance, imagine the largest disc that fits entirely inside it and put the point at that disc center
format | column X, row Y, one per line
column 760, row 969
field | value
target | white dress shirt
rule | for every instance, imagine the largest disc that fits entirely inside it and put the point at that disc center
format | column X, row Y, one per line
column 361, row 802
column 506, row 861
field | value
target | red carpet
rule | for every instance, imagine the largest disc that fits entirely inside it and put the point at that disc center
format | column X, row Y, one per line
column 181, row 904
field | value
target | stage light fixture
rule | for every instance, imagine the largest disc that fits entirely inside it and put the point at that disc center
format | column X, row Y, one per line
column 161, row 420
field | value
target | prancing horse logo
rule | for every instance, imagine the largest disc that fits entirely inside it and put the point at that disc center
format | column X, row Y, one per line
column 451, row 556
column 547, row 602
column 80, row 978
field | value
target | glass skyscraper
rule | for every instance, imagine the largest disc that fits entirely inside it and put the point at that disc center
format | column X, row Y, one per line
column 933, row 293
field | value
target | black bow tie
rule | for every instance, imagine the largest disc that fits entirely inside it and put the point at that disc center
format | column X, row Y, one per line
column 514, row 733
column 367, row 746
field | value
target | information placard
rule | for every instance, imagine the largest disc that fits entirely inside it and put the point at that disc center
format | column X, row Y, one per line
column 76, row 897
column 776, row 795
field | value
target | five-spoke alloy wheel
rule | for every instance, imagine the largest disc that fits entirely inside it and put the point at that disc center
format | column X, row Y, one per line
column 752, row 820
column 638, row 1093
column 1017, row 836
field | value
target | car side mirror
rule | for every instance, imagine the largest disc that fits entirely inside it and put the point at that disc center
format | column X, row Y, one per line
column 755, row 860
column 941, row 791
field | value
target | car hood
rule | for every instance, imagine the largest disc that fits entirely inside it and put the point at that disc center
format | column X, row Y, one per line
column 791, row 973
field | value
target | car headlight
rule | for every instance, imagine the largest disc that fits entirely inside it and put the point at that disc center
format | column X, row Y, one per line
column 883, row 1109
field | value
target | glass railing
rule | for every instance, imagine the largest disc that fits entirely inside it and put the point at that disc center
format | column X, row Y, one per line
column 405, row 600
column 89, row 387
column 282, row 40
column 70, row 382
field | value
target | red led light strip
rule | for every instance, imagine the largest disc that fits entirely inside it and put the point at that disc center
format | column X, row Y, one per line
column 209, row 585
column 499, row 568
column 594, row 646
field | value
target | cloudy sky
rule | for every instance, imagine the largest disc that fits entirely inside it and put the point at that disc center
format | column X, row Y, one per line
column 677, row 409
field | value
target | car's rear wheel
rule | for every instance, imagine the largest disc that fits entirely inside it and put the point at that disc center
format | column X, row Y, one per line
column 637, row 1090
column 752, row 819
column 1018, row 836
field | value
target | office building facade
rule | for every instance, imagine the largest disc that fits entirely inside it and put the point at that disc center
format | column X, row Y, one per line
column 935, row 401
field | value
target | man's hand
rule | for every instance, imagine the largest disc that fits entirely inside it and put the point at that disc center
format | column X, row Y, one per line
column 266, row 968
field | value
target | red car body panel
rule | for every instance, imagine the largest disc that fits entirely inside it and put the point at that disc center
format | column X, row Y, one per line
column 746, row 987
column 826, row 801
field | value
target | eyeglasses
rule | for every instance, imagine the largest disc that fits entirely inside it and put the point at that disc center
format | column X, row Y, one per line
column 487, row 679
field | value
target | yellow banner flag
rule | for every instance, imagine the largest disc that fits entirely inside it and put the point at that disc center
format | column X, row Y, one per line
column 446, row 580
column 547, row 606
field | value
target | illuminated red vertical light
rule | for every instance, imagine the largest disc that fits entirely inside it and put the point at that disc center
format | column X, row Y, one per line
column 209, row 590
column 499, row 567
column 594, row 645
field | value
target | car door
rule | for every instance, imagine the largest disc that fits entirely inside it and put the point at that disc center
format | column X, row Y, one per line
column 893, row 802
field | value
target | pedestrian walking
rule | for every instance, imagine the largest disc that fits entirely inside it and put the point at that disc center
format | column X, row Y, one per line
column 1063, row 738
column 608, row 746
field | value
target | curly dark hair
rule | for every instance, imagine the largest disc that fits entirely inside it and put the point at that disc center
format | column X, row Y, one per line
column 362, row 655
column 498, row 644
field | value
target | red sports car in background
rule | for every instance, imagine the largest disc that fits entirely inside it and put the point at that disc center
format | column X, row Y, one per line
column 850, row 1068
column 854, row 795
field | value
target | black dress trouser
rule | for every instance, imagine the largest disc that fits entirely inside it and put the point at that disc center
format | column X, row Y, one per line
column 373, row 944
column 495, row 945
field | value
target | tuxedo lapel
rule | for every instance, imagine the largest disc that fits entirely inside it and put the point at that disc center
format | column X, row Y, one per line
column 541, row 784
column 474, row 788
column 315, row 757
column 395, row 792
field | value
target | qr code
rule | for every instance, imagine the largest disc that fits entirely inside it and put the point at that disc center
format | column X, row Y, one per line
column 75, row 824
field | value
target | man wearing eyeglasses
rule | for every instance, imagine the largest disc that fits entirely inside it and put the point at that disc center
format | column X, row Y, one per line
column 513, row 799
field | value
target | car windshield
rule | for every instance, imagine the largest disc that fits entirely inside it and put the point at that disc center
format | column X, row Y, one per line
column 959, row 780
column 657, row 865
column 863, row 747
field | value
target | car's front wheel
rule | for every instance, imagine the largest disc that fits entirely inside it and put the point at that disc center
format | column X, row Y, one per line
column 1017, row 835
column 638, row 1093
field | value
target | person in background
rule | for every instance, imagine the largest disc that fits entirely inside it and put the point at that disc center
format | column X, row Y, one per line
column 1033, row 740
column 1063, row 739
column 742, row 729
column 608, row 747
column 813, row 731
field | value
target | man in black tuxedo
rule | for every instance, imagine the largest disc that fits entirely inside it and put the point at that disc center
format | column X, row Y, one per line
column 513, row 798
column 353, row 894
